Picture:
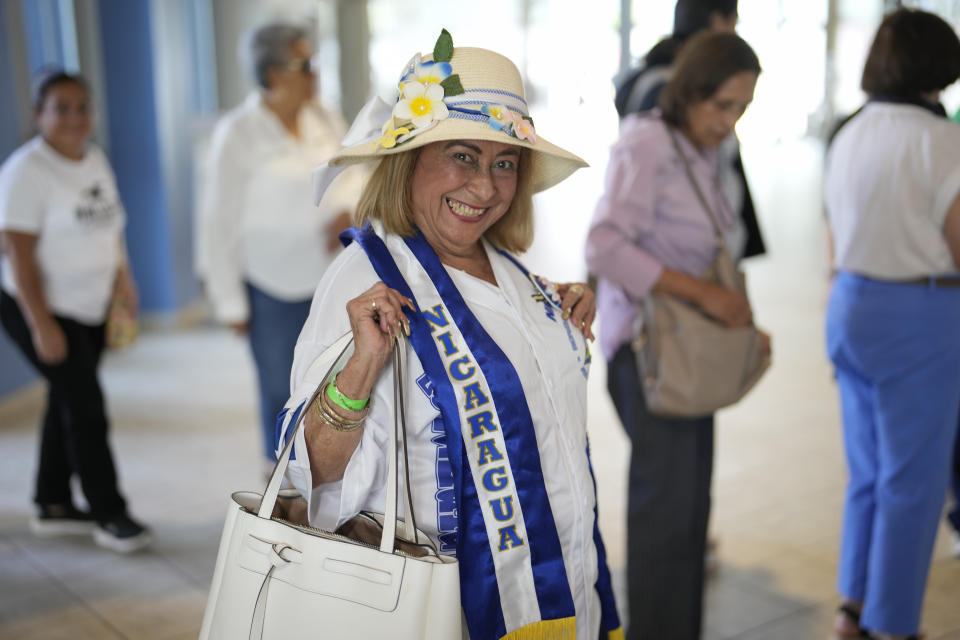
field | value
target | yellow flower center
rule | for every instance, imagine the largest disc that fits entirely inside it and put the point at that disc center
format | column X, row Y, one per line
column 421, row 105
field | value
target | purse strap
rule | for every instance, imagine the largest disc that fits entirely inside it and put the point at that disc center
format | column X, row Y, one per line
column 410, row 533
column 718, row 234
column 344, row 347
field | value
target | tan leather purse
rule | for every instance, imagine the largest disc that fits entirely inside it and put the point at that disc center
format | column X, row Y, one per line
column 690, row 365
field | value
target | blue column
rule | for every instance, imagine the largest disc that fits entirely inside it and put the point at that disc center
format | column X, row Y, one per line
column 41, row 22
column 15, row 371
column 129, row 67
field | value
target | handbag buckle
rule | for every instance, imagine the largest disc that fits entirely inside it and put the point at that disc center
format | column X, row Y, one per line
column 278, row 549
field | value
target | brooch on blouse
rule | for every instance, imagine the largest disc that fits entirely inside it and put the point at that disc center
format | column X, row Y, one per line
column 546, row 290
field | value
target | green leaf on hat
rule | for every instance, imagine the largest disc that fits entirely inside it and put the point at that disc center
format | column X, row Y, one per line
column 451, row 85
column 443, row 50
column 528, row 119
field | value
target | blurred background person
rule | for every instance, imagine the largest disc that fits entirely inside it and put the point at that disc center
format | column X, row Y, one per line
column 266, row 243
column 639, row 89
column 64, row 260
column 892, row 193
column 651, row 233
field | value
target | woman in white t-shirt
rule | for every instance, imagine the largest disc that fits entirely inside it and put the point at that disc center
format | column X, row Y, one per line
column 892, row 193
column 264, row 245
column 64, row 259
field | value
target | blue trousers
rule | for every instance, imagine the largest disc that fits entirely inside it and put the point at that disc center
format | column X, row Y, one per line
column 274, row 328
column 896, row 350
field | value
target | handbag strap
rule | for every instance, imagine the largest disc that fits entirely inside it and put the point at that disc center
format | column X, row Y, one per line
column 411, row 531
column 344, row 347
column 721, row 241
column 388, row 537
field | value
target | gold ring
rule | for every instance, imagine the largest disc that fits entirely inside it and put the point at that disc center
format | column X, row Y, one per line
column 577, row 289
column 583, row 323
column 373, row 303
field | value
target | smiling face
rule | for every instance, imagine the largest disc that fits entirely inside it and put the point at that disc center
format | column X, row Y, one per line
column 64, row 119
column 459, row 189
column 710, row 121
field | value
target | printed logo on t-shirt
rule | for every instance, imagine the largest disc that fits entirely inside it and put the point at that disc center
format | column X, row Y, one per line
column 96, row 210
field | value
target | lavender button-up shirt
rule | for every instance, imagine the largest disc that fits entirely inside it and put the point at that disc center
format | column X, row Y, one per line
column 649, row 219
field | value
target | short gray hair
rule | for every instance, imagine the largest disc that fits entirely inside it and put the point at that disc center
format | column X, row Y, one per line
column 269, row 48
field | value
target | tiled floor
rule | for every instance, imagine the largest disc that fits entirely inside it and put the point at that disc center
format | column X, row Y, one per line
column 183, row 414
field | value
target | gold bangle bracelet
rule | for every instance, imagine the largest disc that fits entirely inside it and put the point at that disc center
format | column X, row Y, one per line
column 328, row 406
column 331, row 422
column 332, row 419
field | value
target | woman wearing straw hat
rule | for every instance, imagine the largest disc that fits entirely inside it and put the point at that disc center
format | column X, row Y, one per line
column 497, row 409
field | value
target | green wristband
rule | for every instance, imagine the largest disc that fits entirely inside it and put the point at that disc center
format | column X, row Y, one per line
column 343, row 401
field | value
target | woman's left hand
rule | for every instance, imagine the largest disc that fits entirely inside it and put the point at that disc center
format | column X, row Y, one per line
column 579, row 305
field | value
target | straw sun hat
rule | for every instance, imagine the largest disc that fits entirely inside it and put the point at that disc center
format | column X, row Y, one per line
column 461, row 93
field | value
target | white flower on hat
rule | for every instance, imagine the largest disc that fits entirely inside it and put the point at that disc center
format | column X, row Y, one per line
column 423, row 111
column 421, row 104
column 427, row 72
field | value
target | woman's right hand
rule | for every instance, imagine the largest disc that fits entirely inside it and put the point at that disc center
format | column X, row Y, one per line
column 726, row 305
column 375, row 317
column 49, row 341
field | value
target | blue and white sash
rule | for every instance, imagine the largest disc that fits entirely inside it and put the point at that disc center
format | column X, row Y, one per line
column 513, row 581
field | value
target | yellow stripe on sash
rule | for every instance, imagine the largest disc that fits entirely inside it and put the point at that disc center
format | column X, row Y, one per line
column 616, row 634
column 561, row 629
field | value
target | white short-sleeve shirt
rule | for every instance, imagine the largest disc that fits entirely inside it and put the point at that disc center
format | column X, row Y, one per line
column 74, row 208
column 892, row 173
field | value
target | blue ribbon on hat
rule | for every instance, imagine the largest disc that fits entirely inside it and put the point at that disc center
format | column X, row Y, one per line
column 368, row 124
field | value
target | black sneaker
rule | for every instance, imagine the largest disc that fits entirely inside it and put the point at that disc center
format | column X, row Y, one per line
column 61, row 520
column 121, row 534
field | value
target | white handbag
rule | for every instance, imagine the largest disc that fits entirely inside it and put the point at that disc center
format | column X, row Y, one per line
column 277, row 578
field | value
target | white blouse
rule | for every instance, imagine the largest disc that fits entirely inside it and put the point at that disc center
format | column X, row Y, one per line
column 892, row 174
column 552, row 362
column 259, row 221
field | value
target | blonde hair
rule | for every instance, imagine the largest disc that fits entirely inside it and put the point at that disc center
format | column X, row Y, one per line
column 393, row 177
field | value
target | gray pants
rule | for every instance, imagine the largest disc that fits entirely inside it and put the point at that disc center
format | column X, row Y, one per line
column 668, row 508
